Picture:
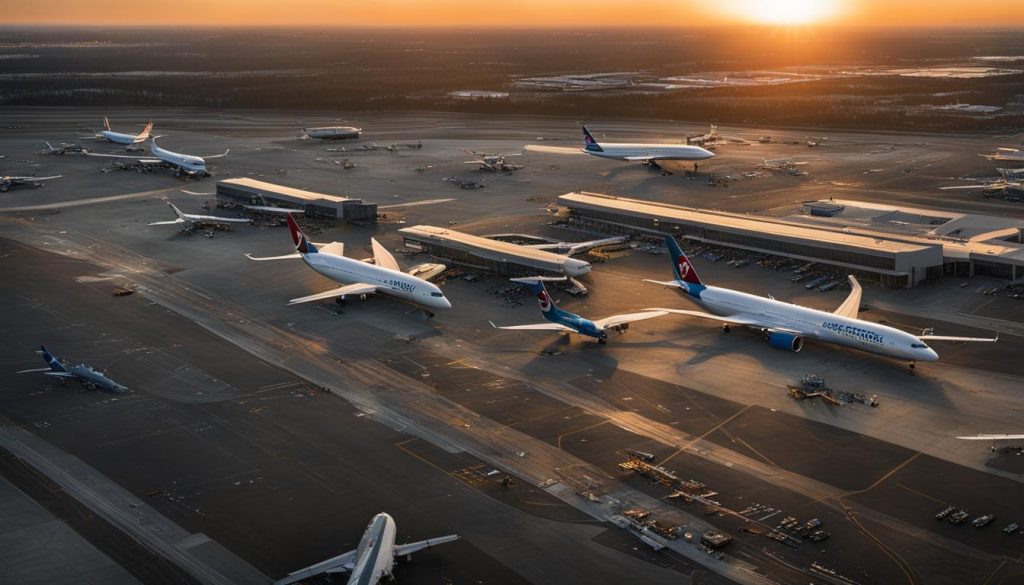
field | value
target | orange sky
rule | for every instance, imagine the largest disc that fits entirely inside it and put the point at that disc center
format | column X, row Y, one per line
column 522, row 13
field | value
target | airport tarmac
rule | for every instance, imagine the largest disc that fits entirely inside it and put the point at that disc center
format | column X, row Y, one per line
column 227, row 433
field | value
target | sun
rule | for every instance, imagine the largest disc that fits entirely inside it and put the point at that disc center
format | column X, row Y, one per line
column 783, row 12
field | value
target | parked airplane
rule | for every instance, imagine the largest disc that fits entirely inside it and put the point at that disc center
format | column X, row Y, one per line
column 573, row 248
column 1012, row 154
column 331, row 132
column 647, row 153
column 91, row 378
column 183, row 163
column 363, row 278
column 565, row 321
column 192, row 220
column 785, row 325
column 121, row 138
column 493, row 162
column 372, row 560
column 6, row 182
column 62, row 148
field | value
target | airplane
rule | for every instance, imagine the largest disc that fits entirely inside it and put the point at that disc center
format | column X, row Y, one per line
column 63, row 148
column 121, row 138
column 1011, row 154
column 646, row 153
column 568, row 322
column 383, row 275
column 785, row 326
column 6, row 182
column 91, row 378
column 331, row 132
column 573, row 248
column 186, row 164
column 494, row 163
column 372, row 560
column 192, row 220
column 995, row 438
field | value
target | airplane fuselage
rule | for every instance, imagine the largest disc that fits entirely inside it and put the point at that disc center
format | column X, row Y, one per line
column 121, row 138
column 186, row 162
column 630, row 151
column 813, row 323
column 375, row 556
column 92, row 377
column 391, row 282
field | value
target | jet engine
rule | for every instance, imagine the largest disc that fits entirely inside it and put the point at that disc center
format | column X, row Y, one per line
column 785, row 340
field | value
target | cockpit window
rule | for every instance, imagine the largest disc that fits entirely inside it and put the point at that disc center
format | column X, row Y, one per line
column 436, row 294
column 918, row 346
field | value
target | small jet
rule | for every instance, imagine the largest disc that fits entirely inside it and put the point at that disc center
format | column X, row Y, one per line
column 6, row 182
column 1011, row 154
column 494, row 163
column 189, row 221
column 383, row 275
column 331, row 133
column 121, row 138
column 184, row 164
column 91, row 378
column 785, row 326
column 62, row 148
column 571, row 323
column 374, row 558
column 573, row 248
column 646, row 153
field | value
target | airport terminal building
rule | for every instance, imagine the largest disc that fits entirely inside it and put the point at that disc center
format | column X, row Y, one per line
column 245, row 191
column 496, row 256
column 846, row 236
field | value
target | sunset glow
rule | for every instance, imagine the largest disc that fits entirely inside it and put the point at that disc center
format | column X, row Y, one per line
column 785, row 12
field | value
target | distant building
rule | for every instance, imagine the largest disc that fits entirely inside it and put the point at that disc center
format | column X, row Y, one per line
column 244, row 191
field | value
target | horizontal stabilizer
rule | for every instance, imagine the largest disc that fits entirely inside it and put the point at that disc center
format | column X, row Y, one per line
column 851, row 306
column 358, row 288
column 171, row 222
column 671, row 283
column 339, row 564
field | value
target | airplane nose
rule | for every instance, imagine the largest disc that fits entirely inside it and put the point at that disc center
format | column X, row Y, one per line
column 931, row 355
column 445, row 303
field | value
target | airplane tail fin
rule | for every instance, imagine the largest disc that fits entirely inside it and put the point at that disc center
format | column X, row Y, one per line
column 106, row 123
column 681, row 264
column 548, row 307
column 299, row 239
column 589, row 143
column 51, row 361
column 144, row 135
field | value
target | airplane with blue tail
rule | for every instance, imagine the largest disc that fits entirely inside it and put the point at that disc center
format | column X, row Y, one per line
column 565, row 321
column 645, row 153
column 785, row 325
column 90, row 377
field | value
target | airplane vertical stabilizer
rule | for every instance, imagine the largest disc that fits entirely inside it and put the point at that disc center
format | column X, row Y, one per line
column 51, row 361
column 299, row 239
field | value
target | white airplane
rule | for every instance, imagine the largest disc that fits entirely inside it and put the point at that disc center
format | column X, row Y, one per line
column 361, row 278
column 121, row 138
column 564, row 321
column 647, row 153
column 372, row 560
column 573, row 248
column 183, row 163
column 190, row 220
column 331, row 132
column 997, row 437
column 1014, row 154
column 6, row 182
column 785, row 326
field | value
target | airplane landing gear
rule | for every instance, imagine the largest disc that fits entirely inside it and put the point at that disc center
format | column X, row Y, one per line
column 429, row 314
column 340, row 300
column 726, row 328
column 913, row 364
column 362, row 297
column 602, row 340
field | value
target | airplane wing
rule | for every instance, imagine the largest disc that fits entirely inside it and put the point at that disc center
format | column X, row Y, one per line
column 143, row 160
column 382, row 257
column 358, row 288
column 339, row 564
column 60, row 374
column 671, row 283
column 225, row 153
column 993, row 438
column 261, row 259
column 271, row 209
column 733, row 319
column 959, row 339
column 616, row 320
column 851, row 306
column 216, row 219
column 169, row 222
column 537, row 327
column 407, row 549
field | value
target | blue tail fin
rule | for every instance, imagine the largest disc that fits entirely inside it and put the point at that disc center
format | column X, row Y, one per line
column 589, row 143
column 548, row 307
column 681, row 267
column 51, row 361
